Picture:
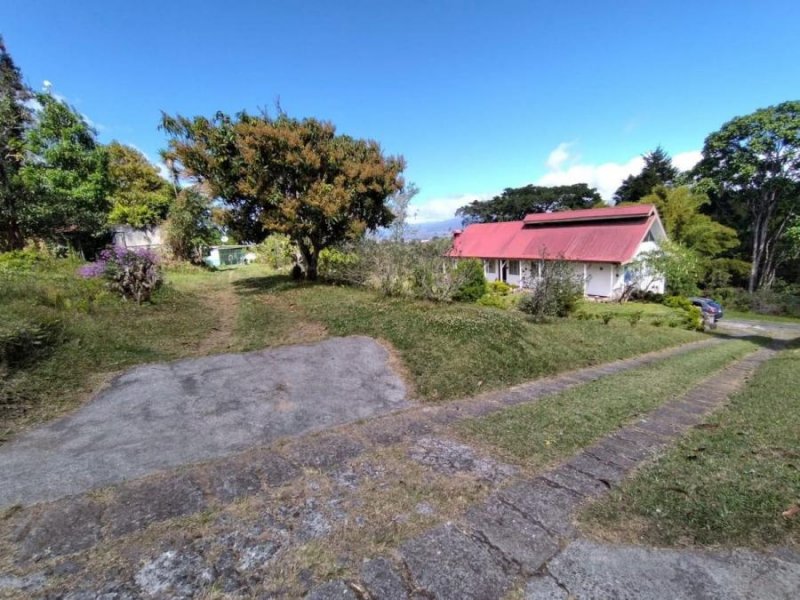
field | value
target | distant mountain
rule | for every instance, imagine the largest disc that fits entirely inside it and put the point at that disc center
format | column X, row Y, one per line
column 426, row 231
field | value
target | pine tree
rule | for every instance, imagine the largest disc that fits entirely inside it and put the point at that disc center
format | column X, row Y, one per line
column 15, row 115
column 658, row 170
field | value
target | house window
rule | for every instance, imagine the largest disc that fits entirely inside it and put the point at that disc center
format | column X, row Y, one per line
column 489, row 265
column 513, row 268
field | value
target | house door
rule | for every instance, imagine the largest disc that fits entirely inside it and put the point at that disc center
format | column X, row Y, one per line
column 504, row 271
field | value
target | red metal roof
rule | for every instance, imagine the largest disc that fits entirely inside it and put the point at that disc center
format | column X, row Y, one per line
column 592, row 214
column 610, row 235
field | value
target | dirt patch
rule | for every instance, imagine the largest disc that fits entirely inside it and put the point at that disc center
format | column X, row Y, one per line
column 225, row 304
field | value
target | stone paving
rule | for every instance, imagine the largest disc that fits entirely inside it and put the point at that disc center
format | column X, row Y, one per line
column 490, row 549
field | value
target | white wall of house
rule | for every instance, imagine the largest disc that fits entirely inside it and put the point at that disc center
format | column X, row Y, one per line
column 128, row 237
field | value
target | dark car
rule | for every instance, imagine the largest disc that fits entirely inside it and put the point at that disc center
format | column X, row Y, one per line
column 708, row 306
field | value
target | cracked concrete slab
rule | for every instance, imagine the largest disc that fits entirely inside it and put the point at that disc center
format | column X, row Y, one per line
column 164, row 415
column 591, row 570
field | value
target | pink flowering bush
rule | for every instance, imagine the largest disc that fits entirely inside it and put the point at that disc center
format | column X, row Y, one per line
column 135, row 274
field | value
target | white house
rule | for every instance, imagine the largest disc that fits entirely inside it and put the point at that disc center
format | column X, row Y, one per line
column 599, row 242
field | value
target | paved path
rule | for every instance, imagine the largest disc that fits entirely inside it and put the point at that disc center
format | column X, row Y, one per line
column 521, row 535
column 163, row 415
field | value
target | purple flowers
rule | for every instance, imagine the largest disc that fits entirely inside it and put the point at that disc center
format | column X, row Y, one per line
column 134, row 273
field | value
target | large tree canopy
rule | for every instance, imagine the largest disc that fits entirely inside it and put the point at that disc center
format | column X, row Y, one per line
column 15, row 115
column 68, row 180
column 514, row 203
column 658, row 170
column 755, row 162
column 140, row 197
column 285, row 175
column 679, row 209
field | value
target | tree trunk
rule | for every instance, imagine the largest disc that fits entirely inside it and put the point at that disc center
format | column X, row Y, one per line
column 311, row 258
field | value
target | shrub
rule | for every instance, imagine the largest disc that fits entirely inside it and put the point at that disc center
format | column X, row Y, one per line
column 694, row 318
column 278, row 251
column 677, row 302
column 606, row 317
column 21, row 260
column 340, row 266
column 500, row 288
column 555, row 293
column 635, row 317
column 472, row 282
column 134, row 274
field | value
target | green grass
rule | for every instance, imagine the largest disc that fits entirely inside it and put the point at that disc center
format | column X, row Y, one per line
column 538, row 434
column 448, row 350
column 457, row 350
column 101, row 335
column 727, row 483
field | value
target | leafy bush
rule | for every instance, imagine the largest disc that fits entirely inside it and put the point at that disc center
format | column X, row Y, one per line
column 472, row 281
column 340, row 266
column 677, row 302
column 694, row 318
column 555, row 293
column 134, row 274
column 635, row 317
column 606, row 317
column 500, row 288
column 278, row 251
column 21, row 260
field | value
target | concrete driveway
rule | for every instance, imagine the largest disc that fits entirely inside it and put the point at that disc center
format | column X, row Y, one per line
column 165, row 415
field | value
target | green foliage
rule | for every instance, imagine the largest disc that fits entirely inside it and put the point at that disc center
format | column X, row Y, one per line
column 555, row 293
column 189, row 227
column 290, row 176
column 139, row 196
column 68, row 182
column 278, row 252
column 339, row 265
column 680, row 266
column 500, row 288
column 772, row 302
column 679, row 209
column 606, row 317
column 514, row 203
column 680, row 302
column 22, row 260
column 754, row 162
column 15, row 116
column 658, row 170
column 635, row 317
column 472, row 284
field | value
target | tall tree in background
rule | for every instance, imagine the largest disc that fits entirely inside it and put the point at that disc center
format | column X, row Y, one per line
column 68, row 180
column 658, row 170
column 514, row 203
column 285, row 175
column 15, row 116
column 139, row 196
column 755, row 163
column 680, row 211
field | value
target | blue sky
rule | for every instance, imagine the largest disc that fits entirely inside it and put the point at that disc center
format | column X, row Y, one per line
column 477, row 96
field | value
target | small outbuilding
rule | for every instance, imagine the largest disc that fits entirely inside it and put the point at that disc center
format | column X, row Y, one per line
column 224, row 256
column 598, row 242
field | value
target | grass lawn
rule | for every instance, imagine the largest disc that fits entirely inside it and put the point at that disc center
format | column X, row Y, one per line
column 456, row 350
column 448, row 350
column 726, row 483
column 536, row 435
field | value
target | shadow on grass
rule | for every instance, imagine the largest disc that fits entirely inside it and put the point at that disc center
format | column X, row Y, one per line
column 764, row 341
column 267, row 284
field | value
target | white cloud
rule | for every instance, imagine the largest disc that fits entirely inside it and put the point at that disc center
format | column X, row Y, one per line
column 439, row 209
column 558, row 157
column 606, row 177
column 686, row 160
